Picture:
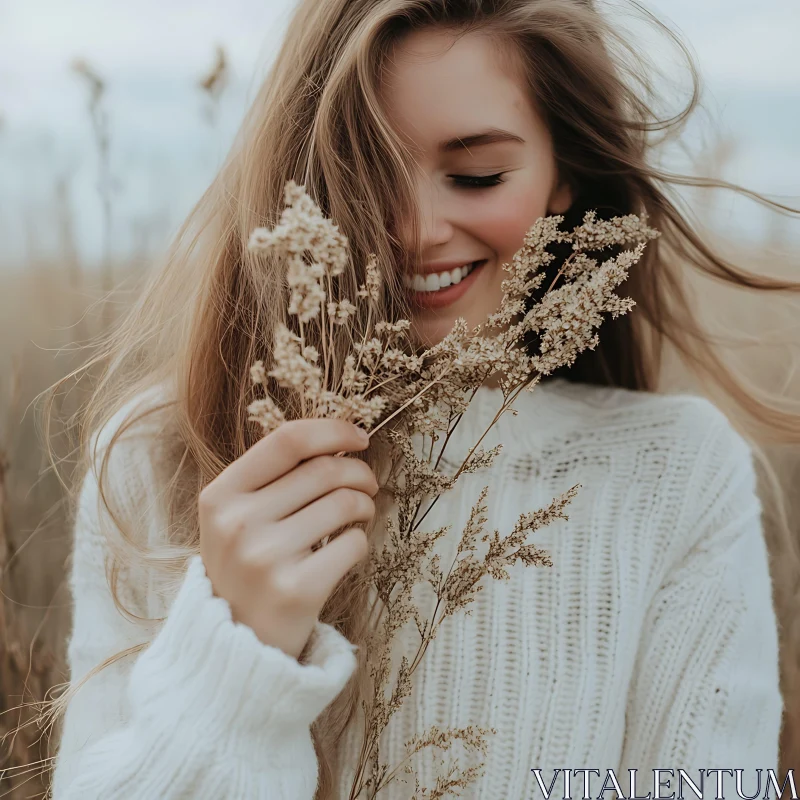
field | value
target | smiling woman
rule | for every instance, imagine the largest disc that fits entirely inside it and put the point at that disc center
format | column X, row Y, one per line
column 484, row 168
column 434, row 133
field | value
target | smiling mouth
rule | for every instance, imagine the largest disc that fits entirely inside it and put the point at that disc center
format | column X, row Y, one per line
column 437, row 293
column 436, row 281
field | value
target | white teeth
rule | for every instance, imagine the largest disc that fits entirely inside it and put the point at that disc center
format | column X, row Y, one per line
column 434, row 281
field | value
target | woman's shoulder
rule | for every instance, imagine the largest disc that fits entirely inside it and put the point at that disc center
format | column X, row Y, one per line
column 137, row 426
column 119, row 507
column 130, row 454
column 142, row 416
column 628, row 415
column 560, row 417
column 680, row 450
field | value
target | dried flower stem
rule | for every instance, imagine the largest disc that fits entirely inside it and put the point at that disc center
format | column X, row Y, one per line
column 407, row 403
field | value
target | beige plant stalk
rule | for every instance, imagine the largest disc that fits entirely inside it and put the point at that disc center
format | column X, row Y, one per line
column 424, row 394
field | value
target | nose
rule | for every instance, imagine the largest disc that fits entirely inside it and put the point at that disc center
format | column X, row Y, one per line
column 432, row 218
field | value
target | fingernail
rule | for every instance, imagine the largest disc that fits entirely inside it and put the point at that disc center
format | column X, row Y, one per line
column 363, row 435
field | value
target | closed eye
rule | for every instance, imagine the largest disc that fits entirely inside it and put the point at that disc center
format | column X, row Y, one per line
column 477, row 181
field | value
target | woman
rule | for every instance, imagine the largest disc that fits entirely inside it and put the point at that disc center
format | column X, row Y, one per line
column 434, row 133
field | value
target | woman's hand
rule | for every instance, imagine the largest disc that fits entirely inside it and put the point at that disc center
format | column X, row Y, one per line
column 260, row 516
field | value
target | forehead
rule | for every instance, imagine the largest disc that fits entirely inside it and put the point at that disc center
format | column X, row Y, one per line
column 438, row 84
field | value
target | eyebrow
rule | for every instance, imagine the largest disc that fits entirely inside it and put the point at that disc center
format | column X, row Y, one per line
column 490, row 136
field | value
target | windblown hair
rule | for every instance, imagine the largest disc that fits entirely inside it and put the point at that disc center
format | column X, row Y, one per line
column 209, row 312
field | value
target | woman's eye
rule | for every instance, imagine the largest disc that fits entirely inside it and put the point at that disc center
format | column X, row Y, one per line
column 477, row 181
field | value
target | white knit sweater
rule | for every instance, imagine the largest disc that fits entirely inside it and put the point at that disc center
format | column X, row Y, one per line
column 651, row 642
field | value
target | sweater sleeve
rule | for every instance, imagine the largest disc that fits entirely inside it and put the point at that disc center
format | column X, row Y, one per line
column 705, row 692
column 205, row 711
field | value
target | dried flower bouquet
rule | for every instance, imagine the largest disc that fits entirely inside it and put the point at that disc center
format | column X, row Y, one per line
column 424, row 393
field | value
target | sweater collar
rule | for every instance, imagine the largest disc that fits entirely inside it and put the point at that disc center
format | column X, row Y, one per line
column 553, row 405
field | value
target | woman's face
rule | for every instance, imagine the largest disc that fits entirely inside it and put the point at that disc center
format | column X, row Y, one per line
column 485, row 171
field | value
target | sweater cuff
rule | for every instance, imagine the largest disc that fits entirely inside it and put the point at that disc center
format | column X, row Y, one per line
column 215, row 677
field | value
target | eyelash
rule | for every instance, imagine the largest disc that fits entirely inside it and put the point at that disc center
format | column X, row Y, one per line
column 477, row 181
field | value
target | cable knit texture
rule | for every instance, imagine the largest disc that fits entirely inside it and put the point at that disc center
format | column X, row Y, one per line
column 651, row 642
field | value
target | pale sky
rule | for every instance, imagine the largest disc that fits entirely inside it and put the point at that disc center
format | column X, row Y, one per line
column 164, row 153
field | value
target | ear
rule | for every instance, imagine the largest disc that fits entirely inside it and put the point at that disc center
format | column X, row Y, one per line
column 561, row 198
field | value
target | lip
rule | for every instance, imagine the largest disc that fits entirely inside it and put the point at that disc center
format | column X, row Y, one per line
column 444, row 297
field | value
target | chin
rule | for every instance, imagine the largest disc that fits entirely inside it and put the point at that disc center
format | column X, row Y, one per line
column 429, row 334
column 432, row 331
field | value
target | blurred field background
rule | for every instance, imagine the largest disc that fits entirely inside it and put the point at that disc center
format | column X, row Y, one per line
column 80, row 234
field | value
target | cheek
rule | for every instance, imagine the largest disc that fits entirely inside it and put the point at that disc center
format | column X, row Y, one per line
column 506, row 218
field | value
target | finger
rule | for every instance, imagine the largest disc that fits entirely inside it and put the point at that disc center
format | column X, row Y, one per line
column 312, row 480
column 283, row 449
column 324, row 568
column 323, row 517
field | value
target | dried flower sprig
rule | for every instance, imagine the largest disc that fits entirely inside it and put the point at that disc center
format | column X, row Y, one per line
column 373, row 382
column 384, row 378
column 402, row 564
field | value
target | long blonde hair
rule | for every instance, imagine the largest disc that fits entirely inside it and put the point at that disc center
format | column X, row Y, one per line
column 209, row 311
